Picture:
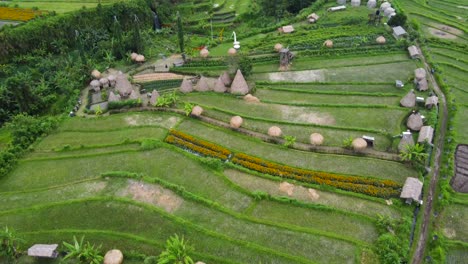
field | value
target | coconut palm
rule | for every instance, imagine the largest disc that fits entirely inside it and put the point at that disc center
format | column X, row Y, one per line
column 177, row 251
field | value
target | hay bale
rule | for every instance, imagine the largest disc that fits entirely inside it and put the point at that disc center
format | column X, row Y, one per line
column 274, row 131
column 251, row 99
column 199, row 262
column 278, row 47
column 186, row 86
column 359, row 144
column 355, row 3
column 409, row 100
column 239, row 85
column 371, row 4
column 204, row 53
column 202, row 85
column 133, row 56
column 381, row 40
column 316, row 139
column 232, row 51
column 328, row 43
column 219, row 86
column 236, row 121
column 197, row 110
column 113, row 256
column 140, row 59
column 96, row 74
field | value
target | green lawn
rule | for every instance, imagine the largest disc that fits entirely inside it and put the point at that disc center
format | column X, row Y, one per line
column 461, row 125
column 454, row 222
column 366, row 89
column 5, row 138
column 61, row 6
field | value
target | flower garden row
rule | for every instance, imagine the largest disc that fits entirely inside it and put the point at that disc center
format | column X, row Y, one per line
column 18, row 14
column 368, row 186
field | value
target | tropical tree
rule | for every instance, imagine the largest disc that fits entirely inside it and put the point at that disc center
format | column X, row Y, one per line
column 180, row 34
column 177, row 251
column 85, row 253
column 9, row 243
column 414, row 153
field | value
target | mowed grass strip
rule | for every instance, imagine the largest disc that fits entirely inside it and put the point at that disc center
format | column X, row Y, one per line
column 360, row 88
column 61, row 6
column 166, row 164
column 454, row 222
column 336, row 200
column 120, row 121
column 151, row 223
column 461, row 126
column 60, row 140
column 38, row 154
column 340, row 164
column 359, row 117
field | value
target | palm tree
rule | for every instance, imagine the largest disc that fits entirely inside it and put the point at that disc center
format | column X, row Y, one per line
column 177, row 251
column 85, row 253
column 414, row 153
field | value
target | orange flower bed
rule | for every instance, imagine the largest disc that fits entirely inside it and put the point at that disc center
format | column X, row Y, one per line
column 373, row 187
column 199, row 142
column 202, row 150
column 18, row 14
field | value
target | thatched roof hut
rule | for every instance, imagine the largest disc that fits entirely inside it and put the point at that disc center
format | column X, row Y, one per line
column 186, row 86
column 226, row 78
column 399, row 32
column 419, row 74
column 154, row 97
column 133, row 95
column 113, row 256
column 380, row 40
column 113, row 97
column 43, row 251
column 236, row 121
column 219, row 86
column 359, row 144
column 409, row 100
column 232, row 51
column 96, row 74
column 415, row 122
column 251, row 99
column 422, row 85
column 316, row 139
column 275, row 131
column 104, row 82
column 95, row 85
column 239, row 85
column 278, row 47
column 111, row 79
column 389, row 11
column 414, row 52
column 406, row 139
column 204, row 53
column 426, row 134
column 355, row 3
column 384, row 6
column 197, row 110
column 431, row 101
column 412, row 190
column 371, row 4
column 202, row 85
column 328, row 43
column 123, row 85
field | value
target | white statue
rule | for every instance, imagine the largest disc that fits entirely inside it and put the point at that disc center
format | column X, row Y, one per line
column 236, row 43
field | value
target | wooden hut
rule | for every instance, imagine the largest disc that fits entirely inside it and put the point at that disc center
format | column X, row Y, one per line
column 371, row 4
column 422, row 85
column 414, row 52
column 415, row 121
column 419, row 74
column 202, row 85
column 113, row 97
column 399, row 32
column 239, row 85
column 186, row 86
column 123, row 85
column 219, row 86
column 412, row 190
column 406, row 140
column 409, row 100
column 226, row 78
column 431, row 101
column 43, row 251
column 426, row 134
column 154, row 97
column 286, row 29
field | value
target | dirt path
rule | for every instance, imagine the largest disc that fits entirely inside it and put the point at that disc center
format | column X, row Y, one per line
column 439, row 146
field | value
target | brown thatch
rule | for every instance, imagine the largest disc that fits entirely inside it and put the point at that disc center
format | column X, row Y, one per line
column 113, row 97
column 186, row 86
column 133, row 56
column 140, row 58
column 204, row 53
column 123, row 85
column 96, row 74
column 415, row 122
column 278, row 47
column 409, row 100
column 328, row 44
column 251, row 99
column 381, row 40
column 414, row 52
column 197, row 110
column 113, row 256
column 202, row 85
column 232, row 51
column 316, row 139
column 275, row 131
column 236, row 121
column 422, row 85
column 104, row 82
column 154, row 97
column 111, row 79
column 412, row 189
column 359, row 144
column 426, row 134
column 43, row 251
column 219, row 86
column 96, row 85
column 371, row 4
column 239, row 85
column 133, row 95
column 226, row 79
column 431, row 101
column 406, row 139
column 419, row 74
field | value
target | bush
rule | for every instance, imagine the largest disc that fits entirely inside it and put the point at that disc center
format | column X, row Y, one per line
column 151, row 260
column 397, row 20
column 213, row 163
column 125, row 104
column 149, row 144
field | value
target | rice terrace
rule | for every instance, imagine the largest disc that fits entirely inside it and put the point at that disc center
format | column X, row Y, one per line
column 223, row 131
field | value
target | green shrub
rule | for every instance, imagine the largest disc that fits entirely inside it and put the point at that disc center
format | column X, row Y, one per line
column 151, row 260
column 213, row 163
column 148, row 144
column 125, row 104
